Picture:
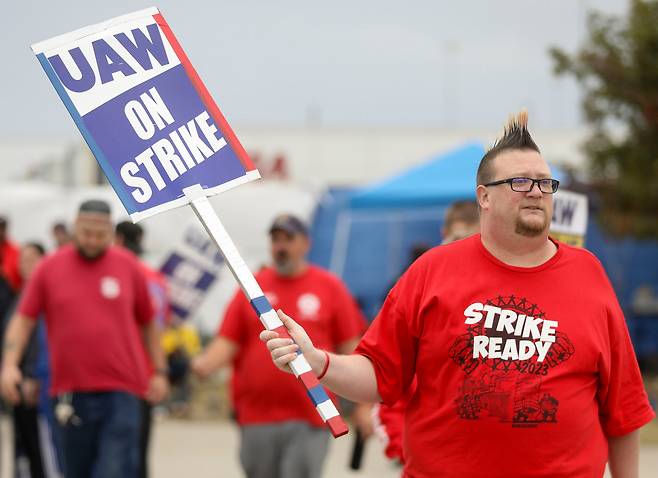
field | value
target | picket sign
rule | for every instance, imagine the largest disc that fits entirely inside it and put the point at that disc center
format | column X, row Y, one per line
column 161, row 140
column 570, row 217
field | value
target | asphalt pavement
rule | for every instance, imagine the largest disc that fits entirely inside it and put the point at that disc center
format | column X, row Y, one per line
column 209, row 449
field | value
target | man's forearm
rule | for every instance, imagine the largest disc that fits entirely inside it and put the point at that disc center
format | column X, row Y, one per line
column 350, row 376
column 348, row 346
column 220, row 353
column 152, row 343
column 16, row 336
column 624, row 455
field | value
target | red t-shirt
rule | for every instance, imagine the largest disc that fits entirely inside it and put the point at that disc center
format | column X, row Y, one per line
column 158, row 292
column 321, row 304
column 9, row 256
column 389, row 424
column 93, row 310
column 521, row 371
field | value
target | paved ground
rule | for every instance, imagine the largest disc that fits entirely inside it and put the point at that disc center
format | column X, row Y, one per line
column 209, row 450
column 186, row 449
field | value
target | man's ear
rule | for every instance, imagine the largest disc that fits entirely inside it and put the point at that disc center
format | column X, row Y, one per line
column 482, row 194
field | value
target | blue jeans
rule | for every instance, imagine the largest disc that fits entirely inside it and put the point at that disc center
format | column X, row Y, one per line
column 102, row 440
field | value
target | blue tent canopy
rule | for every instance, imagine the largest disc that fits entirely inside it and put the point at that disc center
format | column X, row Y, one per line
column 366, row 235
column 444, row 178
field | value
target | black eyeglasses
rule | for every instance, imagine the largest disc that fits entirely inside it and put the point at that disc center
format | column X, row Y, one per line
column 525, row 185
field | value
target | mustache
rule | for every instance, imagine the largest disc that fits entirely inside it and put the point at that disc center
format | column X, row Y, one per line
column 534, row 206
column 281, row 257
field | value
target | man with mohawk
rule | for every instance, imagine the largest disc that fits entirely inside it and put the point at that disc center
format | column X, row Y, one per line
column 521, row 351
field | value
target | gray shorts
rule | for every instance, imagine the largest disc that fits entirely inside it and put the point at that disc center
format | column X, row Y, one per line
column 283, row 450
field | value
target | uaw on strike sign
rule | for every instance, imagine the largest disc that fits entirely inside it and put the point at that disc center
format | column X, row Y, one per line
column 162, row 142
column 144, row 112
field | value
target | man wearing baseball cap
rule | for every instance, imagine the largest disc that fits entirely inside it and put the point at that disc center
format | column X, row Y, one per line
column 281, row 433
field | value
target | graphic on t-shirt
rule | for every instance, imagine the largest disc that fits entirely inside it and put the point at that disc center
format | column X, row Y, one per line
column 509, row 347
column 110, row 288
column 308, row 305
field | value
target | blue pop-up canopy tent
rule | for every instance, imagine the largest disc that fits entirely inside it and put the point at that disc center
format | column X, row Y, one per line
column 366, row 235
column 443, row 179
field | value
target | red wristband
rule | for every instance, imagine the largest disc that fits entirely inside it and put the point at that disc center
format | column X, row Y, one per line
column 326, row 366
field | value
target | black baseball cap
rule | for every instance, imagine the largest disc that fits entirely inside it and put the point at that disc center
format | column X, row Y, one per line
column 289, row 224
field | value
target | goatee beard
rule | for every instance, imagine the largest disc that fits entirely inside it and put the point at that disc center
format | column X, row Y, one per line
column 284, row 268
column 530, row 230
column 90, row 258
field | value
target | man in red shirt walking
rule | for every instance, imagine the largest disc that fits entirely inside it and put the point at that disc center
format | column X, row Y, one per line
column 282, row 435
column 521, row 352
column 97, row 309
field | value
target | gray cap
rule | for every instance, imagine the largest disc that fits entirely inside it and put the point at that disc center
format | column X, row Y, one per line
column 289, row 224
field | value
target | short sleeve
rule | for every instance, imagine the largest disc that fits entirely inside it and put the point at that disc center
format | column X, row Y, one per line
column 623, row 403
column 389, row 424
column 33, row 298
column 391, row 342
column 232, row 325
column 144, row 312
column 349, row 322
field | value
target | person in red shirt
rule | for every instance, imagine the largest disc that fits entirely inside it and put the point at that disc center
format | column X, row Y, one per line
column 523, row 361
column 461, row 220
column 97, row 309
column 28, row 435
column 282, row 434
column 9, row 254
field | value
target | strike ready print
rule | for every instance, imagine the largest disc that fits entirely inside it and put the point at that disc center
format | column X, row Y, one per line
column 508, row 350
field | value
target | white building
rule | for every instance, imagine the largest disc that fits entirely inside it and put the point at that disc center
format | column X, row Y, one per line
column 312, row 156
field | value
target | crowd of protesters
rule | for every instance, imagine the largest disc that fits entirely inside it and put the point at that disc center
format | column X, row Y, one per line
column 433, row 377
column 90, row 346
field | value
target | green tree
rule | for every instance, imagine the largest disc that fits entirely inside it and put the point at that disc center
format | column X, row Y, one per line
column 618, row 70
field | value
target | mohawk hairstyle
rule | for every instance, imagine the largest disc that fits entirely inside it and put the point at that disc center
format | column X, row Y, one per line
column 515, row 137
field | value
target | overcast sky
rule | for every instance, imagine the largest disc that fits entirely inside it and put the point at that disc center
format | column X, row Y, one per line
column 464, row 63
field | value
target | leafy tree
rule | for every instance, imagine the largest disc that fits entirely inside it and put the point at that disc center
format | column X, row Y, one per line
column 618, row 70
